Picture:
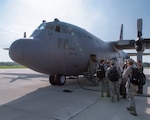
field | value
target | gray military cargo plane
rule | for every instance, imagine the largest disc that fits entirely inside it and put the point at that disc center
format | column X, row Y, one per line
column 61, row 49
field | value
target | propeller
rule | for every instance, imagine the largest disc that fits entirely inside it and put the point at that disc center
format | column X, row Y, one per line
column 139, row 43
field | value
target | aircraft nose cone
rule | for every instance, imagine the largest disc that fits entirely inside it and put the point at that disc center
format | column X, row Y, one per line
column 19, row 50
column 15, row 51
column 29, row 52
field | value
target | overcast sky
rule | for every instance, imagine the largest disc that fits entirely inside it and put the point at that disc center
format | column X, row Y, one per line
column 102, row 18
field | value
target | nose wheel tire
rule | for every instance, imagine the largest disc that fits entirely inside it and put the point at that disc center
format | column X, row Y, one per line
column 60, row 80
column 57, row 80
column 52, row 80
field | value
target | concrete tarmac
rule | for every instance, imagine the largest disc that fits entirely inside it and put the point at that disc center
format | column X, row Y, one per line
column 27, row 95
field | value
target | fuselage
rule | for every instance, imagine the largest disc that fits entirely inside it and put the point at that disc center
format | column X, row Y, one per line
column 60, row 48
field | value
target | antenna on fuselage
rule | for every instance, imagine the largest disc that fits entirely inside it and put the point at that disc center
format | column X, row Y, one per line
column 56, row 20
column 24, row 35
column 43, row 21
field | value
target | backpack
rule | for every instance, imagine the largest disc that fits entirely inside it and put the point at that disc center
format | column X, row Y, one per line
column 143, row 79
column 136, row 76
column 113, row 74
column 101, row 72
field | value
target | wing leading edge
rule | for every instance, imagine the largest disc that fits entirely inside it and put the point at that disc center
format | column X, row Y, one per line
column 131, row 44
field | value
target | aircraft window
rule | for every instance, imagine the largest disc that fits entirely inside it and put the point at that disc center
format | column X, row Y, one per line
column 50, row 27
column 42, row 26
column 70, row 31
column 57, row 29
column 63, row 30
column 66, row 29
column 66, row 43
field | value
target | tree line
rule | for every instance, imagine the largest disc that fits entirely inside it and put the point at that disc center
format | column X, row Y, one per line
column 9, row 64
column 146, row 64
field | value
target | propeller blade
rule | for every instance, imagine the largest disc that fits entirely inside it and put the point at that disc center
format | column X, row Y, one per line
column 139, row 28
column 121, row 32
column 139, row 56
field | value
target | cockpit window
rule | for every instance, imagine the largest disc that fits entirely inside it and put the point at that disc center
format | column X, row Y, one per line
column 42, row 26
column 50, row 26
column 46, row 26
column 64, row 29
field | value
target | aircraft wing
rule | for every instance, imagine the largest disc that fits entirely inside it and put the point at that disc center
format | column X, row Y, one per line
column 135, row 54
column 131, row 44
column 124, row 44
column 147, row 43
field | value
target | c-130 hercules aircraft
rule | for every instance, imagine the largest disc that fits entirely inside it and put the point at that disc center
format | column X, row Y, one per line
column 61, row 49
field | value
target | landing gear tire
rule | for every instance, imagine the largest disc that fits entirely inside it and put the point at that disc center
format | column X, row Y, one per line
column 52, row 80
column 60, row 80
column 57, row 80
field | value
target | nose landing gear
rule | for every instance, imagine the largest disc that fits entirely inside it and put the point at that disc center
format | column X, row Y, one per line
column 57, row 79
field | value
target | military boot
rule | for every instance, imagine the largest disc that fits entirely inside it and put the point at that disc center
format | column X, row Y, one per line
column 132, row 110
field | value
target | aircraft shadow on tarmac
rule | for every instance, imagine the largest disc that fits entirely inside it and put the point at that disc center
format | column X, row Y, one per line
column 50, row 102
column 23, row 76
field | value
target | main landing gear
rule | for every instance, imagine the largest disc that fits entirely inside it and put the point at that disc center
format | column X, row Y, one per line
column 57, row 79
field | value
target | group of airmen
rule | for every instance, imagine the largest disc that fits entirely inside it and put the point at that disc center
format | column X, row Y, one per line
column 122, row 87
